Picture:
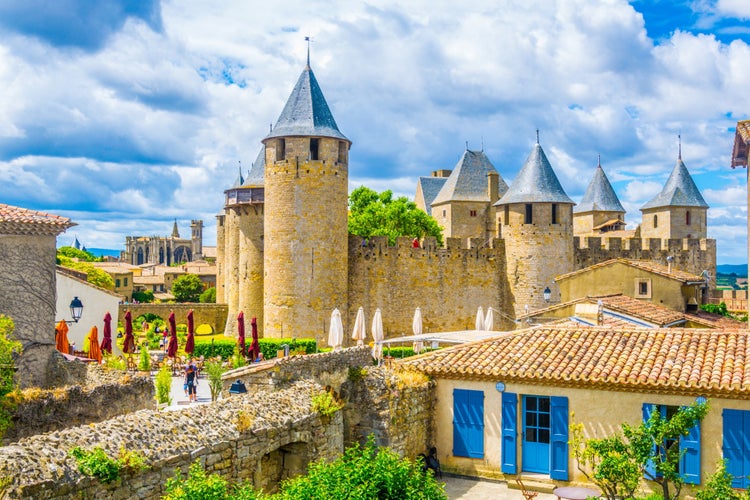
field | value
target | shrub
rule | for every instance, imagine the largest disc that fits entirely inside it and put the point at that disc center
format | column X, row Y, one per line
column 144, row 362
column 719, row 485
column 112, row 362
column 269, row 347
column 326, row 404
column 187, row 288
column 96, row 463
column 208, row 296
column 356, row 373
column 197, row 486
column 143, row 296
column 9, row 349
column 214, row 372
column 163, row 383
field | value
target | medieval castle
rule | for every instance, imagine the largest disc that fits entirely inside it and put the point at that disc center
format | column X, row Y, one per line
column 285, row 256
column 166, row 250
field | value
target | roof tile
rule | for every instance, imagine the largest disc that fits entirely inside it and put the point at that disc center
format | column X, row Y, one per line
column 16, row 220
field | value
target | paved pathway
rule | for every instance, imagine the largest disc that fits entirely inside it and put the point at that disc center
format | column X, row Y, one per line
column 460, row 488
column 180, row 400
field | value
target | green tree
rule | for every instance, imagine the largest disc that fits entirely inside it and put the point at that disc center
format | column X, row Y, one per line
column 209, row 296
column 656, row 442
column 373, row 214
column 187, row 288
column 74, row 253
column 9, row 351
column 94, row 275
column 143, row 296
column 607, row 462
column 719, row 486
column 720, row 308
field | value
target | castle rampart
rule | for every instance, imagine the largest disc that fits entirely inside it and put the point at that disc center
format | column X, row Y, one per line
column 691, row 255
column 447, row 283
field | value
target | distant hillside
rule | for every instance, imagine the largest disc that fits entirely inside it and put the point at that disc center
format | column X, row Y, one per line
column 739, row 269
column 99, row 252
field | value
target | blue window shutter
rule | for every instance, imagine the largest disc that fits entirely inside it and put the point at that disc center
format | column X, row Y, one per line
column 468, row 423
column 509, row 447
column 733, row 439
column 690, row 459
column 559, row 441
column 648, row 409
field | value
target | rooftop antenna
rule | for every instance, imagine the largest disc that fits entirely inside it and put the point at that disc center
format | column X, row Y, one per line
column 679, row 147
column 537, row 136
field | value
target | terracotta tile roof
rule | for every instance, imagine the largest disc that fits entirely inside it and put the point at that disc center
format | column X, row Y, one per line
column 741, row 142
column 668, row 360
column 716, row 320
column 646, row 265
column 653, row 313
column 743, row 129
column 16, row 220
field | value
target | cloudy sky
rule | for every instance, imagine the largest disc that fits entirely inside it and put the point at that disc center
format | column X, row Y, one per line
column 126, row 115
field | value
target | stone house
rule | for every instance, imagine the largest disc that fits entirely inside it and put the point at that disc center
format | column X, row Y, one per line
column 504, row 405
column 642, row 280
column 28, row 285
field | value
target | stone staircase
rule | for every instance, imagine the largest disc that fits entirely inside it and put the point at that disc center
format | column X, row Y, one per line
column 532, row 482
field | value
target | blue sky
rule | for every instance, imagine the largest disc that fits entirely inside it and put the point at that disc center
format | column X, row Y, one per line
column 128, row 115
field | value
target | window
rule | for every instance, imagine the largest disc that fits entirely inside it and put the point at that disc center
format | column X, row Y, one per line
column 642, row 288
column 689, row 446
column 472, row 213
column 117, row 283
column 444, row 212
column 554, row 213
column 342, row 152
column 656, row 222
column 735, row 446
column 314, row 147
column 126, row 282
column 468, row 423
column 529, row 213
column 280, row 149
column 507, row 215
column 687, row 218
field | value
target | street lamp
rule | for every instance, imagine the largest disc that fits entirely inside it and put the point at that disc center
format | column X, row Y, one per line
column 76, row 309
column 547, row 294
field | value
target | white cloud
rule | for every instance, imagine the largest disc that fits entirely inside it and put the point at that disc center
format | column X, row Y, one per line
column 734, row 8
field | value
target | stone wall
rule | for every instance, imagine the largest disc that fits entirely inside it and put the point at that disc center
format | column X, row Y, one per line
column 448, row 284
column 328, row 368
column 395, row 407
column 99, row 395
column 214, row 315
column 691, row 255
column 240, row 438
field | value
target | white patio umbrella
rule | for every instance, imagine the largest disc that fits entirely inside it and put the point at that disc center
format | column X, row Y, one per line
column 336, row 332
column 359, row 332
column 489, row 321
column 416, row 326
column 479, row 323
column 377, row 335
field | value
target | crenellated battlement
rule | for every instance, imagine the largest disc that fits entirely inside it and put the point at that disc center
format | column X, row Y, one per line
column 643, row 244
column 455, row 248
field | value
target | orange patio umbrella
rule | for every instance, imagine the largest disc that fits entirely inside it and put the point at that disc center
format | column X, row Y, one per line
column 94, row 351
column 61, row 339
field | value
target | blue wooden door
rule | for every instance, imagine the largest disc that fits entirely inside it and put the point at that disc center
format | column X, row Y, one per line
column 536, row 434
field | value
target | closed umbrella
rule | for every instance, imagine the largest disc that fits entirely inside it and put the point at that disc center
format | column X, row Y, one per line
column 336, row 332
column 61, row 339
column 489, row 321
column 241, row 332
column 94, row 351
column 377, row 335
column 190, row 342
column 359, row 332
column 107, row 340
column 255, row 346
column 172, row 347
column 479, row 323
column 416, row 326
column 128, row 346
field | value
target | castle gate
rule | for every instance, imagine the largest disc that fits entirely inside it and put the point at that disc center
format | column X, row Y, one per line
column 214, row 315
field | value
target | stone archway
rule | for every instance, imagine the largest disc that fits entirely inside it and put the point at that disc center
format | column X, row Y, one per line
column 283, row 463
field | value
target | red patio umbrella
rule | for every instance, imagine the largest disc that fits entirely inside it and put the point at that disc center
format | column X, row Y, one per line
column 241, row 332
column 128, row 346
column 172, row 346
column 255, row 346
column 107, row 339
column 190, row 342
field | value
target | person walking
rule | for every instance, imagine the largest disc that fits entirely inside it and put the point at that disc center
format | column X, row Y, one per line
column 190, row 381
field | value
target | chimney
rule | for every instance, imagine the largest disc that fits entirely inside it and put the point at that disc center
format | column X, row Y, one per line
column 492, row 181
column 669, row 264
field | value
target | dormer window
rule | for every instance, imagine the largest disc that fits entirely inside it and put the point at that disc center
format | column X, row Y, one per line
column 314, row 147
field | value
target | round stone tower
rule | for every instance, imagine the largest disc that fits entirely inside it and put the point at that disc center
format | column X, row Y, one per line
column 535, row 218
column 306, row 236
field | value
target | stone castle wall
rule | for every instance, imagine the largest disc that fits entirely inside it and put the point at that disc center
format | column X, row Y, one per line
column 691, row 255
column 214, row 315
column 448, row 284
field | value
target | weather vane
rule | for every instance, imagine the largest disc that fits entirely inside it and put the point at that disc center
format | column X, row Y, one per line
column 308, row 39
